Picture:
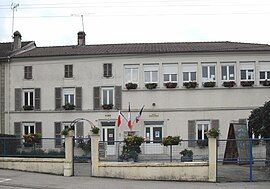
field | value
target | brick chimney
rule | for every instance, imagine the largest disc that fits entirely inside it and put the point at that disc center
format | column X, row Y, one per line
column 81, row 38
column 17, row 44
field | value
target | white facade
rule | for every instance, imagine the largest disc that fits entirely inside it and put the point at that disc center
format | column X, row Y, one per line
column 170, row 109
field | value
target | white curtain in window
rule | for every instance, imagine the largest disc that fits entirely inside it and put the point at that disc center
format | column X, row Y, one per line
column 189, row 67
column 264, row 66
column 246, row 66
column 170, row 68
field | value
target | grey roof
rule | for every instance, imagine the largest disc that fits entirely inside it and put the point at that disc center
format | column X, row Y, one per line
column 6, row 48
column 145, row 48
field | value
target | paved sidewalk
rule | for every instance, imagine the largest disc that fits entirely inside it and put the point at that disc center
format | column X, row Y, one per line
column 24, row 180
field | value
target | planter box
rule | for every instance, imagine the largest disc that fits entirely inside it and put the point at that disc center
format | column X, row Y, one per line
column 229, row 84
column 151, row 85
column 190, row 85
column 247, row 83
column 265, row 83
column 131, row 86
column 107, row 106
column 186, row 158
column 170, row 85
column 26, row 107
column 209, row 84
column 69, row 107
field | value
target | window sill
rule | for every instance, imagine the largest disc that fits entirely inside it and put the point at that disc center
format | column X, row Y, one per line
column 28, row 79
column 111, row 77
column 69, row 78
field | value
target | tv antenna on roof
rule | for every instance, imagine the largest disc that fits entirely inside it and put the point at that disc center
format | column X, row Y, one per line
column 14, row 7
column 81, row 15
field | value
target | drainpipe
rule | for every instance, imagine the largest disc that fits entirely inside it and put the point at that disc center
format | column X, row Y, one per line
column 8, row 92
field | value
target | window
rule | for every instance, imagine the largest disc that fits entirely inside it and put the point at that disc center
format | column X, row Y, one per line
column 170, row 73
column 69, row 96
column 131, row 74
column 29, row 128
column 150, row 73
column 189, row 72
column 107, row 96
column 28, row 97
column 264, row 68
column 202, row 128
column 208, row 72
column 247, row 71
column 28, row 72
column 227, row 72
column 68, row 71
column 107, row 70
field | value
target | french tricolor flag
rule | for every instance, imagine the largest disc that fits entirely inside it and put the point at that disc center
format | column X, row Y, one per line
column 129, row 117
column 119, row 119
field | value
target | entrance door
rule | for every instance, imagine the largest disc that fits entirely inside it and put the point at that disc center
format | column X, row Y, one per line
column 108, row 136
column 153, row 140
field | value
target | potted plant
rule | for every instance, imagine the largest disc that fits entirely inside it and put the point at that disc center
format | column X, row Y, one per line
column 28, row 107
column 170, row 85
column 107, row 106
column 247, row 83
column 69, row 106
column 190, row 84
column 66, row 131
column 209, row 84
column 95, row 130
column 229, row 84
column 31, row 139
column 265, row 82
column 187, row 155
column 131, row 148
column 212, row 133
column 151, row 85
column 131, row 86
column 171, row 140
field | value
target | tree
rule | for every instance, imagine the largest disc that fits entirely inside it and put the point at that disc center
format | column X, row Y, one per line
column 259, row 121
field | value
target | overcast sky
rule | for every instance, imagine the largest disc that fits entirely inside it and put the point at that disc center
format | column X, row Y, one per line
column 56, row 22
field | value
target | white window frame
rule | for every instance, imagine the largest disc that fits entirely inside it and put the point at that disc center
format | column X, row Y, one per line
column 170, row 73
column 228, row 71
column 189, row 68
column 264, row 67
column 28, row 91
column 249, row 69
column 132, row 67
column 28, row 125
column 203, row 123
column 108, row 98
column 69, row 91
column 208, row 78
column 151, row 69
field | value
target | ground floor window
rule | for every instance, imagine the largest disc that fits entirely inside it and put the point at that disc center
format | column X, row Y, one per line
column 29, row 128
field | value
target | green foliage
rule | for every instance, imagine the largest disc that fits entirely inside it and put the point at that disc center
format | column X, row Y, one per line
column 213, row 132
column 151, row 85
column 171, row 140
column 209, row 84
column 132, row 148
column 85, row 145
column 259, row 120
column 65, row 131
column 95, row 130
column 32, row 138
column 190, row 85
column 229, row 84
column 186, row 152
column 69, row 106
column 131, row 86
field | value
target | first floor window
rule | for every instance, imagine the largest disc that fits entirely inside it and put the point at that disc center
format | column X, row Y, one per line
column 151, row 73
column 189, row 72
column 170, row 73
column 29, row 128
column 247, row 74
column 28, row 72
column 202, row 128
column 131, row 74
column 107, row 95
column 107, row 70
column 208, row 73
column 69, row 96
column 227, row 72
column 68, row 71
column 264, row 75
column 28, row 97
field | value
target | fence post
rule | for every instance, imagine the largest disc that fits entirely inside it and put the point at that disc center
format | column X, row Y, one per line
column 212, row 154
column 250, row 160
column 95, row 153
column 68, row 166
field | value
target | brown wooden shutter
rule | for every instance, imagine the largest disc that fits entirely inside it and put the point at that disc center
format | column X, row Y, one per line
column 78, row 98
column 58, row 98
column 57, row 134
column 37, row 98
column 18, row 99
column 66, row 71
column 39, row 130
column 104, row 70
column 96, row 95
column 118, row 97
column 191, row 133
column 79, row 130
column 109, row 70
column 18, row 129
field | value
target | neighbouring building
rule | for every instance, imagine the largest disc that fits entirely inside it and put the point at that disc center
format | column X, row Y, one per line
column 7, row 51
column 196, row 86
